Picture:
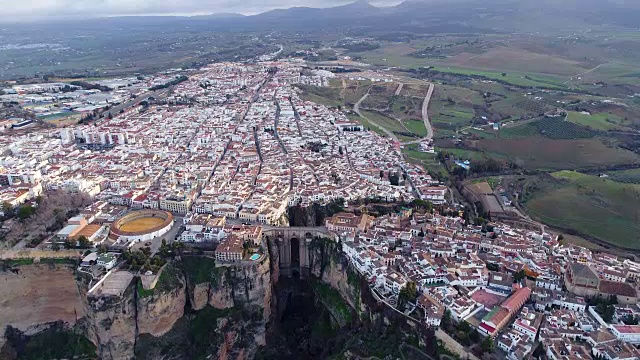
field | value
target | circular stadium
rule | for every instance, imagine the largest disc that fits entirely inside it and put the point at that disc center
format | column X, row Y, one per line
column 141, row 225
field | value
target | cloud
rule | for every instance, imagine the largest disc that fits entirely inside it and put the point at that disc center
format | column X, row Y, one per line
column 49, row 9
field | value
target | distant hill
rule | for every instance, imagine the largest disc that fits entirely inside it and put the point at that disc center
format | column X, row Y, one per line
column 452, row 16
column 426, row 16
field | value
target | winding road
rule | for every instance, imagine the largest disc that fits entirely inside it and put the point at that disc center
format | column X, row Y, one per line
column 425, row 116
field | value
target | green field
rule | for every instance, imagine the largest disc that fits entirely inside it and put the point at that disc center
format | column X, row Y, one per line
column 367, row 124
column 601, row 121
column 631, row 176
column 513, row 78
column 553, row 128
column 416, row 127
column 383, row 120
column 539, row 153
column 596, row 207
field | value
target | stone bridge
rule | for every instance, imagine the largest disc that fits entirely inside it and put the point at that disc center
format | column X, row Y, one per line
column 293, row 245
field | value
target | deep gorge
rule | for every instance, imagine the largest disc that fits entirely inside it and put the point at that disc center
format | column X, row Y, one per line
column 198, row 311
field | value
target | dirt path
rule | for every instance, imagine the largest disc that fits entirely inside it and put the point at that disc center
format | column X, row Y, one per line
column 356, row 109
column 399, row 89
column 581, row 74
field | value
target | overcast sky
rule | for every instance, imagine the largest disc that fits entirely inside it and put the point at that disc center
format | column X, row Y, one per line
column 15, row 10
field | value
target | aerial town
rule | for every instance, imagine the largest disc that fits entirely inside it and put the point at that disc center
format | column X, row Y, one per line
column 222, row 157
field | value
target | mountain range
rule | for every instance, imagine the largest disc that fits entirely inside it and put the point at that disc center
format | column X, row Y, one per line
column 501, row 15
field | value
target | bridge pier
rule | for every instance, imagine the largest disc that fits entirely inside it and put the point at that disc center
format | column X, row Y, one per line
column 294, row 248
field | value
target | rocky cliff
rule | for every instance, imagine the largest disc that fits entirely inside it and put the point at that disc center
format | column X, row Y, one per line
column 191, row 297
column 111, row 324
column 198, row 310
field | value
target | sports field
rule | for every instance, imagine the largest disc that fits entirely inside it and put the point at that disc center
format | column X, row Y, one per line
column 487, row 299
column 142, row 224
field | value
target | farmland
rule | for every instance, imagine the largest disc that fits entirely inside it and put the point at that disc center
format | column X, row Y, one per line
column 540, row 153
column 630, row 176
column 601, row 121
column 553, row 128
column 589, row 205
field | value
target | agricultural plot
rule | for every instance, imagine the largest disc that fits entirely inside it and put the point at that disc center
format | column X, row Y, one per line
column 601, row 121
column 405, row 107
column 367, row 124
column 415, row 127
column 512, row 107
column 428, row 160
column 630, row 176
column 449, row 115
column 335, row 96
column 600, row 208
column 539, row 153
column 463, row 154
column 384, row 121
column 553, row 128
column 518, row 79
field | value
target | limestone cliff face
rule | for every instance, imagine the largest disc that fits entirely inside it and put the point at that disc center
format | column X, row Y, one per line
column 225, row 287
column 111, row 325
column 159, row 312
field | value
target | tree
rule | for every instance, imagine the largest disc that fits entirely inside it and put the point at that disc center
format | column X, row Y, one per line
column 408, row 294
column 445, row 322
column 7, row 209
column 630, row 320
column 83, row 242
column 69, row 244
column 394, row 179
column 25, row 212
column 519, row 276
column 102, row 249
column 487, row 345
column 608, row 313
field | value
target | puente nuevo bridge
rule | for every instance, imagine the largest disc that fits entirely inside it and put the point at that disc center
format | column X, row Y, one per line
column 293, row 247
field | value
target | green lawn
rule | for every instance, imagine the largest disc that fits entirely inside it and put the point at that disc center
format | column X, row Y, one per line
column 600, row 208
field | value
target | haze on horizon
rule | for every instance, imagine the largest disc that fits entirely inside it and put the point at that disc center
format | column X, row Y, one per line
column 55, row 9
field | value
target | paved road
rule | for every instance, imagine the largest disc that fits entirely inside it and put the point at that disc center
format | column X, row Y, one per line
column 356, row 108
column 425, row 117
column 158, row 94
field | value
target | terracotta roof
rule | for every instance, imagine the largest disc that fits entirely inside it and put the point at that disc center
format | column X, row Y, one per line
column 617, row 288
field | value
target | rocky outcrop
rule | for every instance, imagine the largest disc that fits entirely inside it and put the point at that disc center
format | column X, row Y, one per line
column 225, row 287
column 159, row 312
column 112, row 326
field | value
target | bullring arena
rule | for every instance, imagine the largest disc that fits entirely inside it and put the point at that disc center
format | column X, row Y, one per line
column 141, row 225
